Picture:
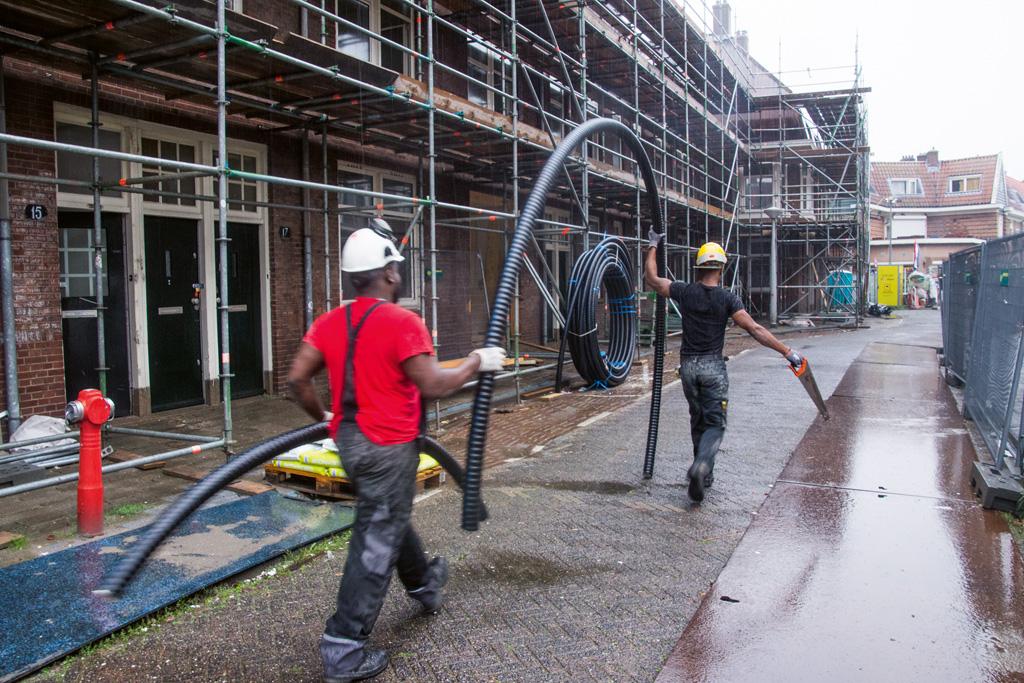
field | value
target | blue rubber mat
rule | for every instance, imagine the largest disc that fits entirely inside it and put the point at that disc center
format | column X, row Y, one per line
column 47, row 609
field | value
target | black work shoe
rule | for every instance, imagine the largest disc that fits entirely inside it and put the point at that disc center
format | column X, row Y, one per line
column 430, row 595
column 374, row 662
column 709, row 479
column 699, row 472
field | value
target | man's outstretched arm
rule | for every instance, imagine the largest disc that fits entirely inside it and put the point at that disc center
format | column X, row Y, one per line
column 435, row 381
column 658, row 284
column 764, row 337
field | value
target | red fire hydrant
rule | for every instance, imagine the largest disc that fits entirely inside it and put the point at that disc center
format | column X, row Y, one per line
column 92, row 411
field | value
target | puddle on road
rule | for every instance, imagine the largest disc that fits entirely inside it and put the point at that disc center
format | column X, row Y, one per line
column 523, row 569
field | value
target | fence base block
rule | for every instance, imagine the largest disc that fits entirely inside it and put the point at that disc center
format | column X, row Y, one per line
column 996, row 490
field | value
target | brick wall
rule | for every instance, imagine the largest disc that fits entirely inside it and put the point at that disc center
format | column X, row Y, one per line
column 982, row 225
column 34, row 248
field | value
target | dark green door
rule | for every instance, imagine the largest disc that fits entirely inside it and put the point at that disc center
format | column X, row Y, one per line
column 244, row 311
column 172, row 269
column 78, row 306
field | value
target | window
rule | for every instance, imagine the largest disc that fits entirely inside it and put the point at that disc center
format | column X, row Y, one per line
column 758, row 192
column 395, row 25
column 487, row 66
column 77, row 275
column 239, row 188
column 78, row 166
column 904, row 225
column 350, row 41
column 965, row 184
column 172, row 151
column 390, row 19
column 902, row 187
column 358, row 209
column 556, row 118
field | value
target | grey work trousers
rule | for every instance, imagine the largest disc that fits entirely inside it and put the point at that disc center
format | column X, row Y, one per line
column 706, row 386
column 382, row 537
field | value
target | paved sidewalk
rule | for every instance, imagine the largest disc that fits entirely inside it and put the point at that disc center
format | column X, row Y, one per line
column 584, row 571
column 871, row 559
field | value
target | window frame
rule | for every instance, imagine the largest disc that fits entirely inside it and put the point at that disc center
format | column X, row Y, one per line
column 763, row 200
column 375, row 8
column 963, row 179
column 498, row 70
column 79, row 200
column 397, row 218
column 918, row 185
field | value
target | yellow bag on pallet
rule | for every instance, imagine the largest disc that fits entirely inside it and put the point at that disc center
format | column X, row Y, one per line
column 315, row 459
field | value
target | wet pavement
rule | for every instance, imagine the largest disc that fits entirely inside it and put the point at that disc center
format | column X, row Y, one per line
column 870, row 559
column 584, row 571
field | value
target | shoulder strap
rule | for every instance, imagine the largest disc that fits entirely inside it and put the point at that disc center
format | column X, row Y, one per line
column 349, row 405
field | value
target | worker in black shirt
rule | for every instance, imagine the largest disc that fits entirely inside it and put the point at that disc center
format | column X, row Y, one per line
column 706, row 307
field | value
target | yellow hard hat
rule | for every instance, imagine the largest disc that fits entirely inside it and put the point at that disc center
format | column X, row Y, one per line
column 711, row 255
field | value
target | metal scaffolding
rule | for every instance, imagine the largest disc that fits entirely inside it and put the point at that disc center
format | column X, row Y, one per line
column 712, row 119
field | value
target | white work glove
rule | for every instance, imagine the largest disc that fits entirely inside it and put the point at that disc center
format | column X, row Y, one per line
column 492, row 358
column 654, row 238
column 794, row 358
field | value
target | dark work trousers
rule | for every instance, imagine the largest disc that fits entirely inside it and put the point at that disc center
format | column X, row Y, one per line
column 382, row 537
column 706, row 385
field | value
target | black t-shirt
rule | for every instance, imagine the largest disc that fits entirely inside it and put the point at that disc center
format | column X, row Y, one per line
column 705, row 312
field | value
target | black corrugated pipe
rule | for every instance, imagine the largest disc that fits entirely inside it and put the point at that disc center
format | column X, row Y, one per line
column 607, row 265
column 187, row 503
column 660, row 306
column 532, row 210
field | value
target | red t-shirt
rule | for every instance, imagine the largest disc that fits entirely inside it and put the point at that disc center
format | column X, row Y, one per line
column 389, row 403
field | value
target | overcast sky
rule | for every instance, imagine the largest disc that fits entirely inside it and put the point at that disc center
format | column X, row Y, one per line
column 942, row 75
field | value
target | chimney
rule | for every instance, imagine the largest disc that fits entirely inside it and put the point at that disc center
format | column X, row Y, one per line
column 931, row 159
column 723, row 18
column 743, row 42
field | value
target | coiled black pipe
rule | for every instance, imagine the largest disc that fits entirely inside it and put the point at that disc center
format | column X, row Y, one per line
column 187, row 503
column 495, row 336
column 607, row 265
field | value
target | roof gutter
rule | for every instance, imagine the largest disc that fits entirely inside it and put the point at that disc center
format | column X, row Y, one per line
column 967, row 208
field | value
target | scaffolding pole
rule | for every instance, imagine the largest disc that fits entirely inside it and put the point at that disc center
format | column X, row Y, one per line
column 222, row 226
column 11, row 393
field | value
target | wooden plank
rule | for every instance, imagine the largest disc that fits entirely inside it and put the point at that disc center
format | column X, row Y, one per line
column 538, row 392
column 247, row 487
column 126, row 456
column 189, row 473
column 8, row 537
column 243, row 487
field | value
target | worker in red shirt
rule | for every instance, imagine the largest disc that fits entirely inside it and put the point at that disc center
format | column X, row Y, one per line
column 380, row 364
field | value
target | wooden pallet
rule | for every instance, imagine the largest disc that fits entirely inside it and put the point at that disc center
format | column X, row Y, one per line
column 336, row 488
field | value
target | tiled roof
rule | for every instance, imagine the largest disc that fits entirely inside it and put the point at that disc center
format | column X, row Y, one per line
column 935, row 182
column 1015, row 193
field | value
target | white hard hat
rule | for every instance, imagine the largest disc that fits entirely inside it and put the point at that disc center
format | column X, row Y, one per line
column 370, row 248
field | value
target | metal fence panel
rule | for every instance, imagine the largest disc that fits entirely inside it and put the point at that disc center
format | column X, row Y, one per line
column 959, row 298
column 995, row 353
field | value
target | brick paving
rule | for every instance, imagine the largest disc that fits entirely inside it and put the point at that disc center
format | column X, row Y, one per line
column 584, row 572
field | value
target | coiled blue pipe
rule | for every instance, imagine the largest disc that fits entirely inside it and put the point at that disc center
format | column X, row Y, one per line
column 532, row 210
